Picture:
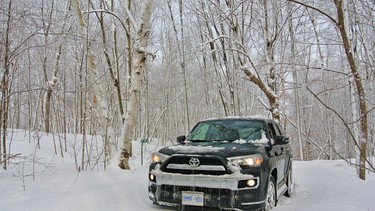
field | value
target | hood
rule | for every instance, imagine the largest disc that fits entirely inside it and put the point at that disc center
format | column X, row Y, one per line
column 226, row 149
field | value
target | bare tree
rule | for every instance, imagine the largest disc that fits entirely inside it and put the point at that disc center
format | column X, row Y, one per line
column 180, row 40
column 98, row 91
column 342, row 26
column 4, row 109
column 214, row 58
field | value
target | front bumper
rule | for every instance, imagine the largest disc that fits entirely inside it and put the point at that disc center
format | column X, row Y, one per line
column 225, row 192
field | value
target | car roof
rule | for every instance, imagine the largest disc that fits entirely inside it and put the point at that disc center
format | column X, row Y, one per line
column 257, row 118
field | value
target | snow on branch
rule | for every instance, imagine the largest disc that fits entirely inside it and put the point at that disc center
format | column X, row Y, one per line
column 254, row 77
column 146, row 52
column 268, row 107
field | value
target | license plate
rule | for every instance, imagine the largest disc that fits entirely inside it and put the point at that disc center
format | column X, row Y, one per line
column 192, row 198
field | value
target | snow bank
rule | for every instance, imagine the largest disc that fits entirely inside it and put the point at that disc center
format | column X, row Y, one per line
column 319, row 185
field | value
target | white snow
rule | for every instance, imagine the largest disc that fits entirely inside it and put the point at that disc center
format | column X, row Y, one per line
column 263, row 140
column 319, row 185
column 241, row 141
column 195, row 149
column 238, row 117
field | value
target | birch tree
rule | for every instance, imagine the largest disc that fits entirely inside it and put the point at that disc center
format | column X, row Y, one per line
column 114, row 73
column 139, row 66
column 94, row 77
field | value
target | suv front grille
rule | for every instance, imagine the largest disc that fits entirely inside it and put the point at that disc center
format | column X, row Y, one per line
column 210, row 191
column 207, row 165
column 212, row 197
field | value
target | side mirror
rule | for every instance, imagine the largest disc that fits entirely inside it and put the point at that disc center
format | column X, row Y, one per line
column 281, row 140
column 269, row 146
column 181, row 139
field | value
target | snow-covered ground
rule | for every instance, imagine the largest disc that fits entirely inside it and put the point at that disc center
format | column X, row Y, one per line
column 56, row 185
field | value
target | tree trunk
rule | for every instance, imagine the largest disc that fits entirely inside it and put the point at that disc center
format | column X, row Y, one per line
column 107, row 127
column 295, row 80
column 358, row 82
column 268, row 87
column 269, row 45
column 98, row 92
column 50, row 85
column 181, row 52
column 5, row 92
column 138, row 72
column 342, row 24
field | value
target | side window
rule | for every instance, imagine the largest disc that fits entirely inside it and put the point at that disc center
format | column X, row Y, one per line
column 272, row 130
column 281, row 132
column 277, row 130
column 199, row 132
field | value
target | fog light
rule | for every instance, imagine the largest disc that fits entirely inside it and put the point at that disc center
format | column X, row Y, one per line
column 152, row 177
column 250, row 183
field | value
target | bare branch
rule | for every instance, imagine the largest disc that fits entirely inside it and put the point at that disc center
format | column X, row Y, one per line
column 316, row 9
column 345, row 124
column 114, row 15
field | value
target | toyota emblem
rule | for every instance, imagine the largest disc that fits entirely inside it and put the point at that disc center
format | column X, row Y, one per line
column 194, row 162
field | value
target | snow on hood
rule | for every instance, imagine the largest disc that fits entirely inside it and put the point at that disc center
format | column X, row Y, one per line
column 195, row 149
column 224, row 148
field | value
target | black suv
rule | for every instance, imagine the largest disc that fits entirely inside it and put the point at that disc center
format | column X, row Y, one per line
column 227, row 163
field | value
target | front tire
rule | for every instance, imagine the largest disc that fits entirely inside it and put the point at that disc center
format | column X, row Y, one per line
column 271, row 199
column 289, row 184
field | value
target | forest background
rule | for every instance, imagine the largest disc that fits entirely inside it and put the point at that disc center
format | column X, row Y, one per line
column 80, row 66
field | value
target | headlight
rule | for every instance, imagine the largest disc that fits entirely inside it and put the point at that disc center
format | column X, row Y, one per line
column 158, row 157
column 251, row 160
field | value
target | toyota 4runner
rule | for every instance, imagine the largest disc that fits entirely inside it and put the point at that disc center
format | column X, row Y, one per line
column 227, row 163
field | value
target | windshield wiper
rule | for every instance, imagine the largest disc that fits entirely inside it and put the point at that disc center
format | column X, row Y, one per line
column 197, row 140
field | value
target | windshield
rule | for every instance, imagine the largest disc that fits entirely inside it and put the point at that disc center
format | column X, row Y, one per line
column 227, row 130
